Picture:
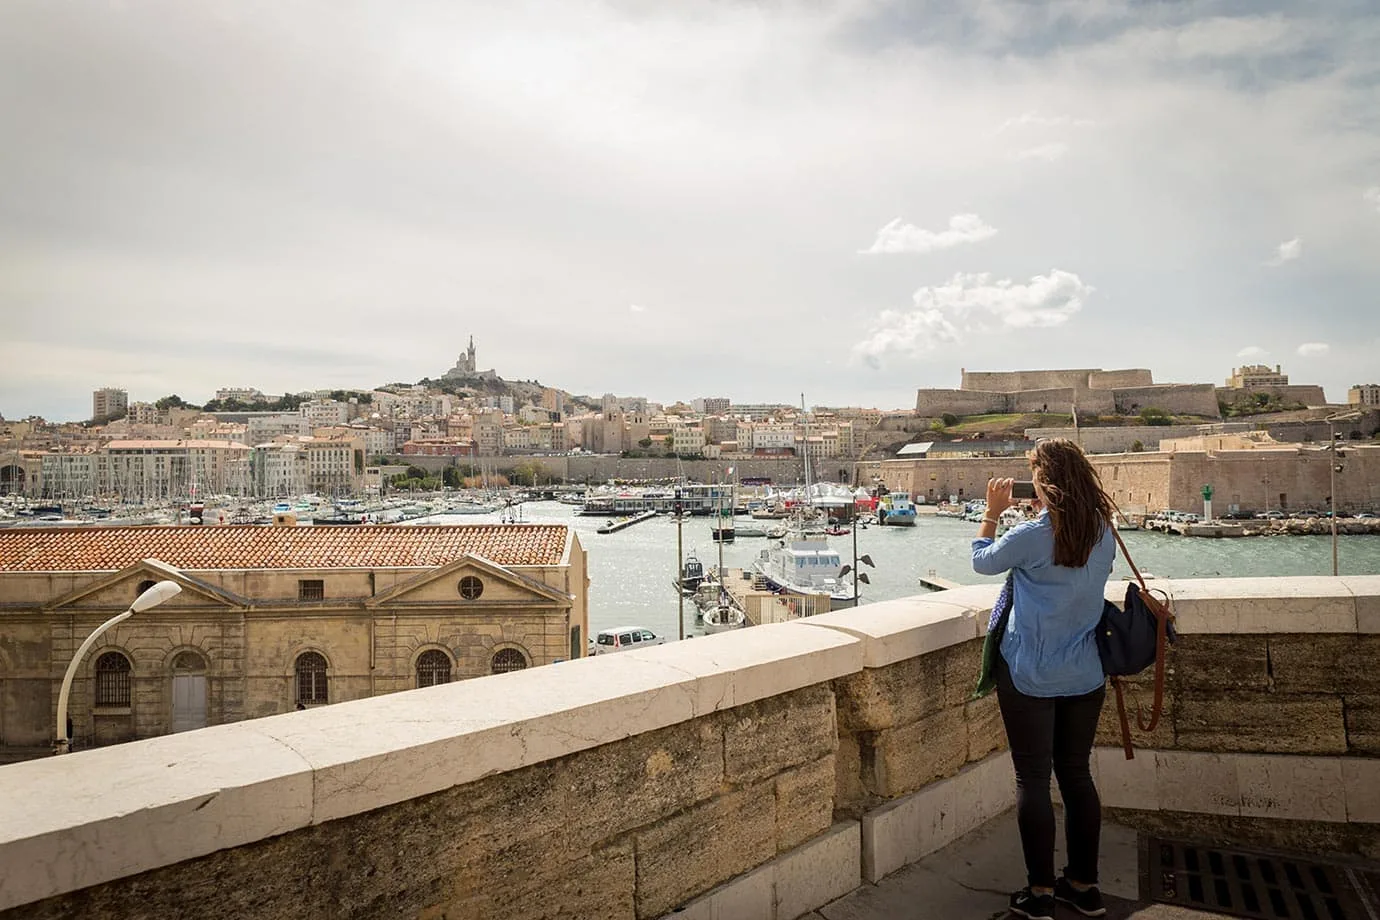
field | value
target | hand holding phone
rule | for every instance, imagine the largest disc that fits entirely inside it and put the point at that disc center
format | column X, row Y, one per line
column 1023, row 489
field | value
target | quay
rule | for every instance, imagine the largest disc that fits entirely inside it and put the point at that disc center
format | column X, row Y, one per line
column 762, row 605
column 625, row 523
column 933, row 582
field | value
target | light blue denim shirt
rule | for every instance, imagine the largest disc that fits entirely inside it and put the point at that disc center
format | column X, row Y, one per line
column 1049, row 645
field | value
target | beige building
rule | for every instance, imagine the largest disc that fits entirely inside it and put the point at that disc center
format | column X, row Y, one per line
column 1364, row 394
column 1257, row 375
column 108, row 403
column 270, row 618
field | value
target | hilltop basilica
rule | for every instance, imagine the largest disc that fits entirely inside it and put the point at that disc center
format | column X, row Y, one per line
column 464, row 368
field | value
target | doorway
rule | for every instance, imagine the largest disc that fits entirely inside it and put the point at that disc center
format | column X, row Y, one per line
column 188, row 692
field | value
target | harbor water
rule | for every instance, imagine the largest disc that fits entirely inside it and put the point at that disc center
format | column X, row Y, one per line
column 630, row 571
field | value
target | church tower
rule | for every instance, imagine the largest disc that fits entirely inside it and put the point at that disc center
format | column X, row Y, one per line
column 469, row 357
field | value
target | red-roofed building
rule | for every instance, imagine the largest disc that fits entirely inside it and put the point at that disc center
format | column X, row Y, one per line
column 270, row 618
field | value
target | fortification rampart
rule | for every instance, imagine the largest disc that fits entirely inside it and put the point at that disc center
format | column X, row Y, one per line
column 1309, row 395
column 935, row 402
column 1120, row 438
column 1112, row 380
column 759, row 773
column 1174, row 398
column 1010, row 381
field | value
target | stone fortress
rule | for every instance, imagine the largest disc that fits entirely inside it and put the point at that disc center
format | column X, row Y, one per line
column 1089, row 390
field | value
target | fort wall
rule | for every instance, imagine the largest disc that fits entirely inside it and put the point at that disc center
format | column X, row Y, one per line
column 1113, row 380
column 1174, row 398
column 761, row 773
column 1310, row 395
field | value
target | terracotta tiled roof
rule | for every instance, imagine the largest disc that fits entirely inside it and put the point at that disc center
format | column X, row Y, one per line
column 261, row 547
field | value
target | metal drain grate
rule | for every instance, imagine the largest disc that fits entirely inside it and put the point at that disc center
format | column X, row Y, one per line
column 1260, row 885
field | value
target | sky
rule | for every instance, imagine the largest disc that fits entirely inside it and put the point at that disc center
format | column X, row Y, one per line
column 846, row 200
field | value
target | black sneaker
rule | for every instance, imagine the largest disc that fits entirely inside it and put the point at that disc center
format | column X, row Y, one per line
column 1088, row 902
column 1032, row 906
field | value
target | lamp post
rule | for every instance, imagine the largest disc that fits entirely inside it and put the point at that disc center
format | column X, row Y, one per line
column 1334, row 467
column 152, row 597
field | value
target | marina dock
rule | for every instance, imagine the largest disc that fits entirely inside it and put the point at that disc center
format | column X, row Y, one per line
column 933, row 582
column 762, row 605
column 625, row 523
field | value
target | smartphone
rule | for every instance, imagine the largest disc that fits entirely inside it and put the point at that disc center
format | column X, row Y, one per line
column 1022, row 488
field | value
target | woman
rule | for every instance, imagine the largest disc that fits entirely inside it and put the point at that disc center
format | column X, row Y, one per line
column 1049, row 676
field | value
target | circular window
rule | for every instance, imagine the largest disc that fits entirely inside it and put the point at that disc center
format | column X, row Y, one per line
column 144, row 586
column 471, row 587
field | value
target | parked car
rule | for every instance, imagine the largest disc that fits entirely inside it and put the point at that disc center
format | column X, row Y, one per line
column 1270, row 516
column 1366, row 515
column 1306, row 513
column 1238, row 516
column 622, row 638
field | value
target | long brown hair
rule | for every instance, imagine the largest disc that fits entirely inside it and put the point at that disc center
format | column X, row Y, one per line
column 1079, row 509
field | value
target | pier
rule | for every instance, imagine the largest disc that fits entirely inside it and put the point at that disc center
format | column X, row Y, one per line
column 933, row 582
column 762, row 605
column 625, row 523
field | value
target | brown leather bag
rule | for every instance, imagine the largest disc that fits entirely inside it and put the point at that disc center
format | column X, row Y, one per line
column 1164, row 618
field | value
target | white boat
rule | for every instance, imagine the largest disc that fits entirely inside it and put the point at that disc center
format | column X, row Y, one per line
column 750, row 528
column 896, row 510
column 723, row 618
column 1120, row 523
column 804, row 564
column 1010, row 518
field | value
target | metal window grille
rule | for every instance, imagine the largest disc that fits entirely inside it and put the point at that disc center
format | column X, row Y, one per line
column 311, row 589
column 433, row 667
column 311, row 678
column 508, row 659
column 471, row 587
column 113, row 680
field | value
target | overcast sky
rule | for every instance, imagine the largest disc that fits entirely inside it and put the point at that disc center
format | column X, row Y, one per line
column 846, row 199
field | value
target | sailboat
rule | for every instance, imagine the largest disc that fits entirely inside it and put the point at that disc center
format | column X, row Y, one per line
column 724, row 614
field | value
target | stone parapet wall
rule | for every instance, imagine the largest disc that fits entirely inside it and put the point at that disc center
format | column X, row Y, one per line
column 1174, row 398
column 777, row 766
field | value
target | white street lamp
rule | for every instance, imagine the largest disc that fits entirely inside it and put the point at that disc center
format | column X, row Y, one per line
column 152, row 597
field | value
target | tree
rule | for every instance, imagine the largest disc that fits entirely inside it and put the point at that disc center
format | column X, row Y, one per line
column 173, row 402
column 416, row 472
column 949, row 419
column 645, row 443
column 1153, row 416
column 1136, row 446
column 451, row 478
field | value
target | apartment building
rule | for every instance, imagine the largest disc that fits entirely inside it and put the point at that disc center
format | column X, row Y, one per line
column 1364, row 394
column 108, row 403
column 171, row 469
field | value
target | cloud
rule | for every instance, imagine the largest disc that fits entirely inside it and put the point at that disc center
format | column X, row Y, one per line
column 636, row 308
column 1047, row 152
column 1372, row 196
column 972, row 303
column 1035, row 119
column 899, row 237
column 1251, row 352
column 1287, row 251
column 1313, row 349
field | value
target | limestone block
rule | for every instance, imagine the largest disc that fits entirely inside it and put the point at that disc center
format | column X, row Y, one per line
column 981, row 791
column 1218, row 662
column 821, row 871
column 765, row 737
column 1194, row 781
column 985, row 730
column 1362, row 723
column 1301, row 788
column 1260, row 723
column 703, row 846
column 1126, row 783
column 878, row 698
column 1262, row 605
column 599, row 884
column 1361, row 786
column 804, row 802
column 914, row 755
column 1366, row 590
column 1326, row 664
column 1139, row 691
column 850, row 795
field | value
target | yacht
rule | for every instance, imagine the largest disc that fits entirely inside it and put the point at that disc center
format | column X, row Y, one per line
column 804, row 564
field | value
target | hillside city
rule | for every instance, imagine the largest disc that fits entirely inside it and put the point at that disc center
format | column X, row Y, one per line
column 343, row 442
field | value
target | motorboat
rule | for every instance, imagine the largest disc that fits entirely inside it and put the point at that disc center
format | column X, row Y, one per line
column 896, row 510
column 691, row 575
column 804, row 564
column 722, row 618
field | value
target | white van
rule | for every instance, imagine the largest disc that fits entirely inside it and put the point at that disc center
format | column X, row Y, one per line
column 622, row 638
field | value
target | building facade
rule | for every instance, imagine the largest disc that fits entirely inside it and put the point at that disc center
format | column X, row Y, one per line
column 108, row 403
column 271, row 619
column 1364, row 394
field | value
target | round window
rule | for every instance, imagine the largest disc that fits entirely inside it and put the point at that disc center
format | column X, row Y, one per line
column 471, row 587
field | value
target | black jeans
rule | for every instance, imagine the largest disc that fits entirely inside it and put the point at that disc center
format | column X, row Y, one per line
column 1055, row 732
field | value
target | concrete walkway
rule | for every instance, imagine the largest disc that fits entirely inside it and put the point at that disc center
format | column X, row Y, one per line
column 972, row 878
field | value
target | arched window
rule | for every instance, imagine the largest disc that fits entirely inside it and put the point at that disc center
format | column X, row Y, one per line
column 113, row 673
column 189, row 663
column 433, row 667
column 311, row 678
column 508, row 659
